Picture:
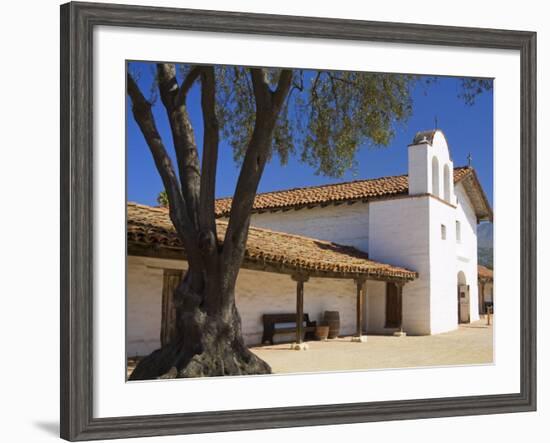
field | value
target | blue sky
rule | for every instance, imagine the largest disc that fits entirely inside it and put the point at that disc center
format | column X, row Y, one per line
column 469, row 129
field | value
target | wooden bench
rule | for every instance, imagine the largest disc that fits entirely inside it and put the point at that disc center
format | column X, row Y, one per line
column 285, row 324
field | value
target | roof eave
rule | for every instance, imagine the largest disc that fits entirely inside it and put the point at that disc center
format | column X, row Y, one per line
column 487, row 214
column 256, row 264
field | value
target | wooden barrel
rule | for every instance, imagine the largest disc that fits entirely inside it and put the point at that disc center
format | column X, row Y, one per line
column 332, row 320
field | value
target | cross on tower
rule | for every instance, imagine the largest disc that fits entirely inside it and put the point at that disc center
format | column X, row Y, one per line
column 469, row 159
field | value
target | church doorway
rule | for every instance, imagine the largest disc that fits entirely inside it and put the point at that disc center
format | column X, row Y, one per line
column 394, row 306
column 463, row 291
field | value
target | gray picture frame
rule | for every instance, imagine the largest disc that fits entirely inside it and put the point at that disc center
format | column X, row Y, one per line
column 77, row 216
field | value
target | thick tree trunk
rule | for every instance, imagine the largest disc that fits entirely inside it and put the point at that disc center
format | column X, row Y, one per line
column 208, row 342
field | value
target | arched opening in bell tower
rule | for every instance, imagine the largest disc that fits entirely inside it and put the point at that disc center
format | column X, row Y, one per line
column 435, row 176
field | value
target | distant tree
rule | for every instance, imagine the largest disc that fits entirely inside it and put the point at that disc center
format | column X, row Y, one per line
column 162, row 199
column 322, row 116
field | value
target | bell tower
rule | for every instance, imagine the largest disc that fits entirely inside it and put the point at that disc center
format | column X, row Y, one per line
column 430, row 166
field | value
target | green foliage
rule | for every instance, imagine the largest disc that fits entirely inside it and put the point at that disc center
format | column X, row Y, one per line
column 235, row 107
column 162, row 199
column 327, row 114
column 473, row 87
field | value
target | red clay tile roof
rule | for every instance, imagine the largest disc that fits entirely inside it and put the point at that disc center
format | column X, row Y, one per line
column 484, row 273
column 152, row 228
column 359, row 190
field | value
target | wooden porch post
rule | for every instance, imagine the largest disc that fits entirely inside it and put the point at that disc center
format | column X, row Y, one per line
column 300, row 279
column 360, row 294
column 299, row 311
column 481, row 297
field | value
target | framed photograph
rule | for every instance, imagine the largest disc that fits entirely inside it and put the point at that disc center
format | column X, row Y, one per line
column 274, row 221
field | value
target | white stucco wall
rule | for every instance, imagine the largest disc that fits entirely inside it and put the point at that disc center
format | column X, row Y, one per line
column 344, row 224
column 420, row 169
column 256, row 293
column 144, row 303
column 443, row 273
column 415, row 242
column 466, row 251
column 399, row 234
column 376, row 308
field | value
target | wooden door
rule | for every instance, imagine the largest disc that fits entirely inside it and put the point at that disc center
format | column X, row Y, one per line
column 393, row 306
column 171, row 280
column 463, row 304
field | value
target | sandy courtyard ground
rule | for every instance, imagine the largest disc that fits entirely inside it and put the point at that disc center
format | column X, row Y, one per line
column 470, row 344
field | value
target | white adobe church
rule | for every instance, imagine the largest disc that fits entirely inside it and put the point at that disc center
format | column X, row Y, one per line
column 392, row 254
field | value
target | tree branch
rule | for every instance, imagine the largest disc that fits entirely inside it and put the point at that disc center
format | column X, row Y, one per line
column 261, row 89
column 314, row 87
column 143, row 116
column 342, row 80
column 186, row 85
column 210, row 151
column 299, row 86
column 183, row 138
column 283, row 86
column 313, row 102
column 268, row 106
column 167, row 82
